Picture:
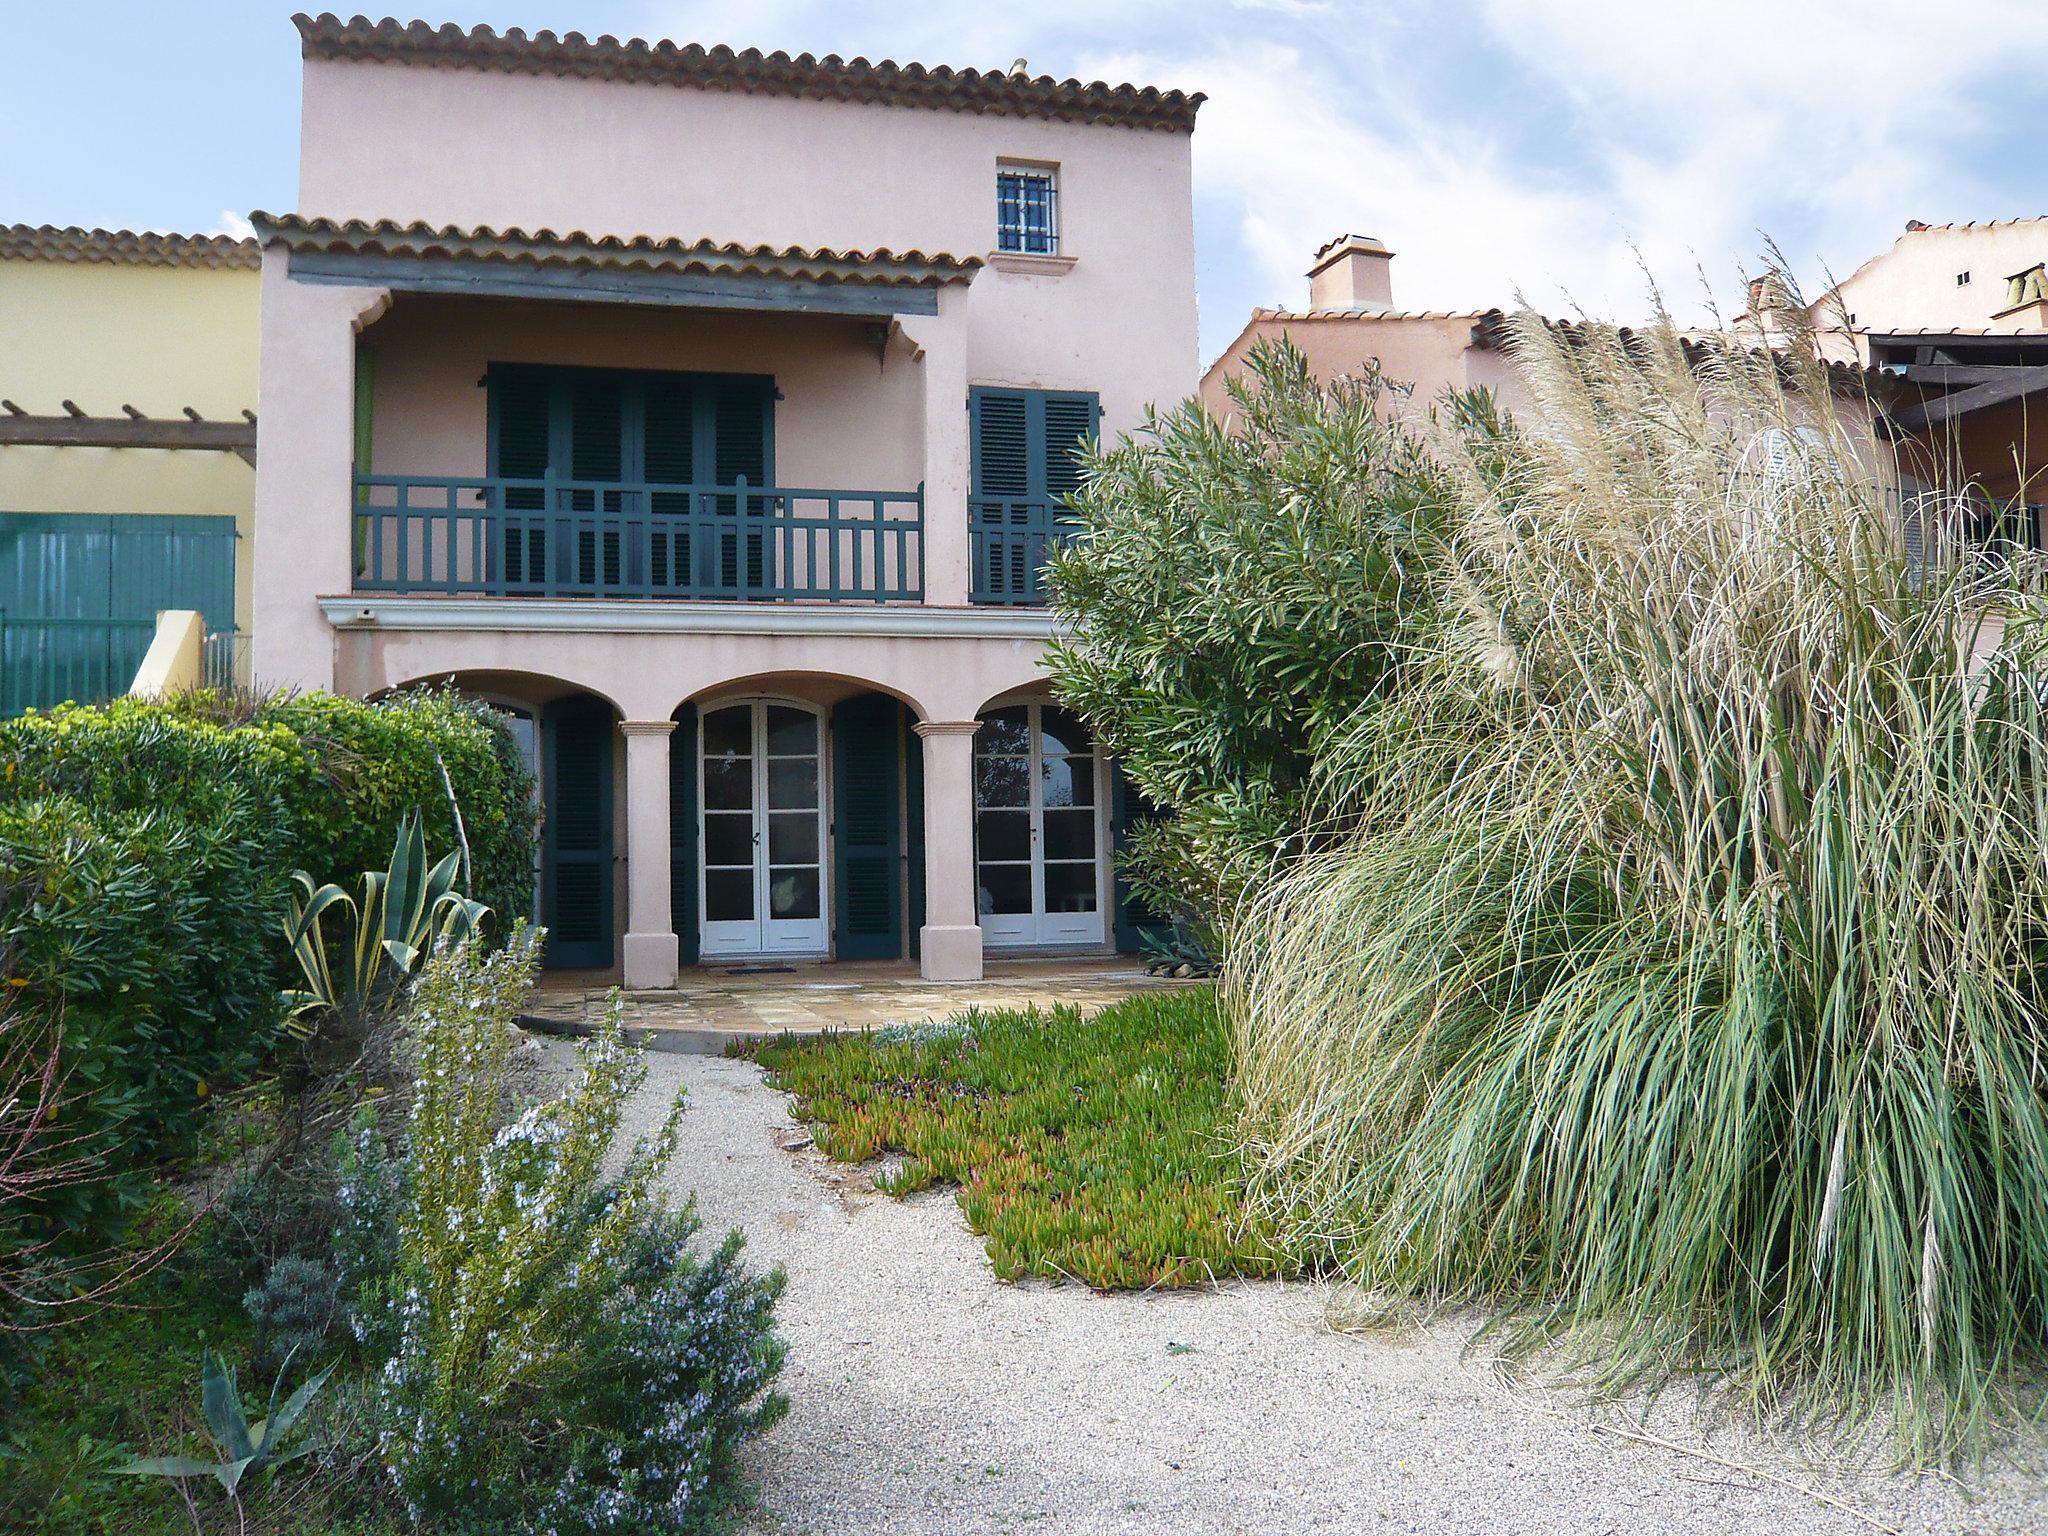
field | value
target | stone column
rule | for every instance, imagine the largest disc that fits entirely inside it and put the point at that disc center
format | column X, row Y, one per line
column 650, row 947
column 942, row 338
column 950, row 941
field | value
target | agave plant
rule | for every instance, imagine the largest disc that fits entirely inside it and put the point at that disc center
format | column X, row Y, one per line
column 245, row 1448
column 403, row 913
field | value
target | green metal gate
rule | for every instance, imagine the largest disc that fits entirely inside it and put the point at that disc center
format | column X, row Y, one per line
column 80, row 592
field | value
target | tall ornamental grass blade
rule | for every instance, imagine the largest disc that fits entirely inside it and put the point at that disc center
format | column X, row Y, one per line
column 1678, row 983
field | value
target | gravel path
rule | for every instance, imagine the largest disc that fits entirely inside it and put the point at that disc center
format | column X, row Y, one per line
column 926, row 1396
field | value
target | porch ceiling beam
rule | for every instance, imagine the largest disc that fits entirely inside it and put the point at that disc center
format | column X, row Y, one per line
column 128, row 431
column 679, row 290
column 1957, row 374
column 2016, row 383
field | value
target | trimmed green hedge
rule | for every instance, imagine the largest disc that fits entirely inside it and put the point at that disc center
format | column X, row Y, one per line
column 339, row 773
column 146, row 851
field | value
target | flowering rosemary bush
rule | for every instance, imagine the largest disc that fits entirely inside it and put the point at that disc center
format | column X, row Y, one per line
column 559, row 1362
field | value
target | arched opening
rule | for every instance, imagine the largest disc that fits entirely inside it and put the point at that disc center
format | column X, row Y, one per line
column 796, row 822
column 569, row 738
column 1052, row 814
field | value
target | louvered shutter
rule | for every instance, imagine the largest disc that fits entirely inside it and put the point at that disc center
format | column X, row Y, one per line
column 913, row 831
column 1026, row 460
column 740, row 444
column 597, row 411
column 668, row 450
column 520, row 434
column 1004, row 511
column 682, row 833
column 866, row 827
column 1130, row 810
column 577, row 900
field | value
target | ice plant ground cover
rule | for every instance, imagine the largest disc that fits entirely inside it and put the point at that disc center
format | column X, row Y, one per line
column 1682, row 990
column 1095, row 1149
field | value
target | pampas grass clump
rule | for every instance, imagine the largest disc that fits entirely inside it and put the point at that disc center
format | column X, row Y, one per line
column 1681, row 990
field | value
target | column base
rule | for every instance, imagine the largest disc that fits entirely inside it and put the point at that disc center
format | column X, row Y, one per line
column 650, row 961
column 949, row 954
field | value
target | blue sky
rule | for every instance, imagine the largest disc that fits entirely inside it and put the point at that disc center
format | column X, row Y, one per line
column 1553, row 148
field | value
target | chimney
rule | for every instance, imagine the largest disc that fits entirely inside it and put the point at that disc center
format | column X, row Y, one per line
column 1352, row 272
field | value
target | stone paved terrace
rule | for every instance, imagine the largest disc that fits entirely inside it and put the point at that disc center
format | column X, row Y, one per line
column 713, row 1006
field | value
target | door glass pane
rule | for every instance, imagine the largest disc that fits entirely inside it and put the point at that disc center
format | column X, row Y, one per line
column 729, row 732
column 1067, row 781
column 729, row 895
column 1070, row 834
column 1004, row 730
column 1063, row 730
column 1004, row 835
column 1005, row 889
column 1070, row 887
column 728, row 838
column 793, row 893
column 1002, row 781
column 729, row 784
column 793, row 837
column 793, row 784
column 791, row 731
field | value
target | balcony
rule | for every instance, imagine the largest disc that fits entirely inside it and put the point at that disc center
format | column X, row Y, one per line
column 1008, row 544
column 552, row 538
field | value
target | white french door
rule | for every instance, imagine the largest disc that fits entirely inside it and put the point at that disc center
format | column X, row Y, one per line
column 1037, row 827
column 761, row 830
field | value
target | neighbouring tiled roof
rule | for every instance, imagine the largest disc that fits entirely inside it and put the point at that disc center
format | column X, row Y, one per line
column 46, row 242
column 830, row 78
column 545, row 247
column 1373, row 316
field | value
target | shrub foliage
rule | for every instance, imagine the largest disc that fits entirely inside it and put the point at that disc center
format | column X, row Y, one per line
column 560, row 1359
column 1239, row 591
column 1683, row 987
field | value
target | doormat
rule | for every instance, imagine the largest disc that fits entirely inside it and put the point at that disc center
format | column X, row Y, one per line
column 761, row 970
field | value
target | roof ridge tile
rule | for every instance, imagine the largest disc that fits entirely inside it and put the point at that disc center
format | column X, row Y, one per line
column 719, row 66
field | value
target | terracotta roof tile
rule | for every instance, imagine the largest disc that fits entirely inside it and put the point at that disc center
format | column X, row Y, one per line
column 830, row 78
column 46, row 242
column 544, row 247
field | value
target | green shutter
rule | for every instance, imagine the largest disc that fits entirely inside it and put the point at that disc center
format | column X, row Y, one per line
column 913, row 816
column 682, row 833
column 1025, row 446
column 577, row 898
column 866, row 781
column 1130, row 809
column 1002, row 443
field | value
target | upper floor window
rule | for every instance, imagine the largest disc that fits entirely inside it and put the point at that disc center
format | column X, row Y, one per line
column 1027, row 210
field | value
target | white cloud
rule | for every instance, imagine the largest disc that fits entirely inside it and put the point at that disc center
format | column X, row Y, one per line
column 232, row 224
column 1551, row 146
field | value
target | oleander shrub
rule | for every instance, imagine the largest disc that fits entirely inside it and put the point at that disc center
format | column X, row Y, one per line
column 150, row 941
column 559, row 1359
column 1681, row 990
column 1239, row 591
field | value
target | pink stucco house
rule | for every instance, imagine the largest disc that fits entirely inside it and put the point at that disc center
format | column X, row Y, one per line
column 709, row 411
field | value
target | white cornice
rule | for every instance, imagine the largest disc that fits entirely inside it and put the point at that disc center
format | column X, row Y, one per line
column 375, row 611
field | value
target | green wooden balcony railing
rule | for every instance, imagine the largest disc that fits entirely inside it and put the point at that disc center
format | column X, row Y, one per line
column 1008, row 542
column 590, row 539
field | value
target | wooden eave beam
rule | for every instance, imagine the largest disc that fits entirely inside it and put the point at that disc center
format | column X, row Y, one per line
column 1932, row 413
column 1956, row 375
column 236, row 437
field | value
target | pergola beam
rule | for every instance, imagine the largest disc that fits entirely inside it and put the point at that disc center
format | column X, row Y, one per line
column 131, row 430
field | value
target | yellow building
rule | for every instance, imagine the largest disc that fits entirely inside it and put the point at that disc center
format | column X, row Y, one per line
column 127, row 480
